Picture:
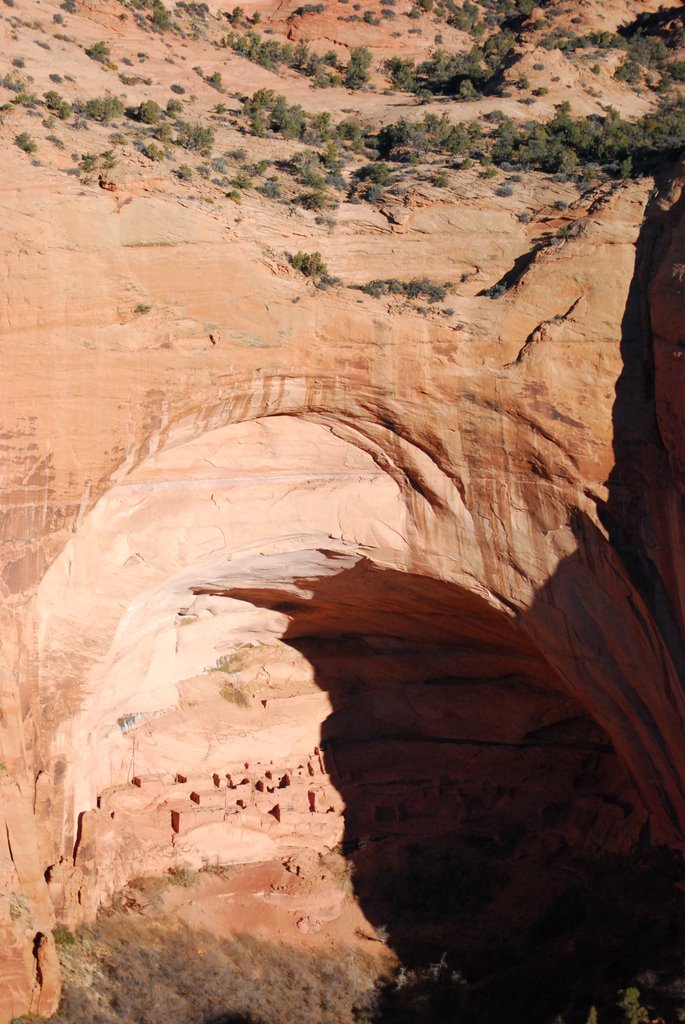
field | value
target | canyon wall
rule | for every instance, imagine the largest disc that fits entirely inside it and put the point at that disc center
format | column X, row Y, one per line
column 498, row 505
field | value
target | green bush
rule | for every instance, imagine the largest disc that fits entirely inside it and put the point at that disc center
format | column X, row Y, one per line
column 26, row 99
column 405, row 140
column 629, row 1002
column 564, row 144
column 195, row 137
column 272, row 54
column 25, row 142
column 153, row 152
column 311, row 264
column 57, row 105
column 149, row 112
column 357, row 70
column 99, row 52
column 88, row 162
column 242, row 180
column 418, row 287
column 161, row 18
column 629, row 71
column 104, row 108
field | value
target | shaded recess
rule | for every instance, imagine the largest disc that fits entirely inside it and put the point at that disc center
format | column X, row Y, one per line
column 487, row 816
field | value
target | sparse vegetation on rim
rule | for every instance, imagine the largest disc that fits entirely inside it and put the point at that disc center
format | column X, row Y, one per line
column 585, row 148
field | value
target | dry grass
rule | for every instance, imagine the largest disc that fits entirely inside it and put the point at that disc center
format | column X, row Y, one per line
column 234, row 694
column 128, row 969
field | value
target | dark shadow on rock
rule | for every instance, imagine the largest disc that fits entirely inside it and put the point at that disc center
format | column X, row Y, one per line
column 652, row 22
column 641, row 486
column 234, row 1018
column 488, row 818
column 608, row 622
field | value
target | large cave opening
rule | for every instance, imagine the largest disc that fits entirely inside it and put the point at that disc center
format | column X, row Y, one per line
column 269, row 590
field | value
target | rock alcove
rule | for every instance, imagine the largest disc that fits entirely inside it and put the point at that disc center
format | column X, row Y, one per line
column 366, row 692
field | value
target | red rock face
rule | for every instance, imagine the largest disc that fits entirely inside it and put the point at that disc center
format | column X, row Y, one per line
column 666, row 297
column 487, row 641
column 425, row 567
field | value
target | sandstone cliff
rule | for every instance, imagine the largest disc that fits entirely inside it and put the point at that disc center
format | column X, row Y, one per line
column 256, row 531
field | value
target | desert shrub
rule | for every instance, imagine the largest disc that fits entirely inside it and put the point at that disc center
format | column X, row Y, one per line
column 161, row 18
column 418, row 287
column 242, row 180
column 25, row 99
column 272, row 55
column 316, row 199
column 14, row 83
column 564, row 143
column 57, row 105
column 194, row 10
column 184, row 172
column 357, row 70
column 629, row 71
column 378, row 173
column 406, row 140
column 149, row 112
column 311, row 264
column 267, row 111
column 153, row 152
column 236, row 16
column 181, row 876
column 307, row 168
column 629, row 1002
column 103, row 108
column 25, row 142
column 99, row 51
column 196, row 137
column 463, row 75
column 402, row 73
column 271, row 189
